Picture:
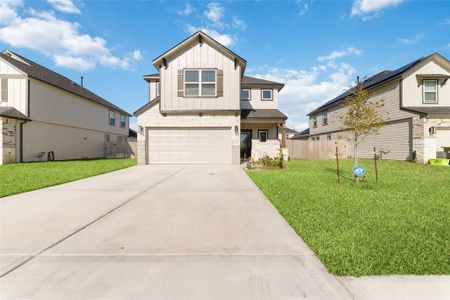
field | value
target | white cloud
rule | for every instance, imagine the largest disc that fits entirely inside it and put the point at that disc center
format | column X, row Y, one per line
column 65, row 6
column 60, row 40
column 368, row 9
column 306, row 89
column 186, row 10
column 137, row 55
column 239, row 24
column 339, row 54
column 225, row 39
column 411, row 41
column 303, row 10
column 445, row 22
column 8, row 10
column 215, row 13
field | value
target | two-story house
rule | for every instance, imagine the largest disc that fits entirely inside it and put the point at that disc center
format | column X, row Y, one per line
column 416, row 112
column 202, row 109
column 44, row 115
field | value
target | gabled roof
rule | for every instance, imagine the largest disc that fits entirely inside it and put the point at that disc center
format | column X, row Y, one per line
column 199, row 37
column 41, row 73
column 253, row 81
column 290, row 130
column 375, row 80
column 12, row 113
column 146, row 106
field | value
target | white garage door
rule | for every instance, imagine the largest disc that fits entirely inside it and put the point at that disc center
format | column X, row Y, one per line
column 442, row 139
column 189, row 145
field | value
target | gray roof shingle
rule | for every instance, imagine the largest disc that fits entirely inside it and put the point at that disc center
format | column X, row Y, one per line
column 262, row 114
column 11, row 112
column 43, row 74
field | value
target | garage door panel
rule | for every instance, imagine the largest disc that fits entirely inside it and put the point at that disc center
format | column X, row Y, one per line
column 189, row 145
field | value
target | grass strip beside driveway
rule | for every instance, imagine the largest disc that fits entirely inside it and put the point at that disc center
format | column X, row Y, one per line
column 24, row 177
column 399, row 225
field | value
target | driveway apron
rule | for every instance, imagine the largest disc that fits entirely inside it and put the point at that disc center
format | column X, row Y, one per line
column 156, row 232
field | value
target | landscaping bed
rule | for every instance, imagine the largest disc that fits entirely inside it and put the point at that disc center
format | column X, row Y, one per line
column 19, row 178
column 398, row 225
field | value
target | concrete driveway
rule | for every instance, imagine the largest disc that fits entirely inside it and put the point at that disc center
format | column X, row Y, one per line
column 156, row 232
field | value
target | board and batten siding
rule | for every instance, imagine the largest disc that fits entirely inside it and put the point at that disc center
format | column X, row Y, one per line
column 256, row 102
column 200, row 56
column 412, row 89
column 17, row 87
column 56, row 106
column 389, row 92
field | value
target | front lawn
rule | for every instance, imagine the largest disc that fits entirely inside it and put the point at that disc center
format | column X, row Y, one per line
column 19, row 178
column 400, row 225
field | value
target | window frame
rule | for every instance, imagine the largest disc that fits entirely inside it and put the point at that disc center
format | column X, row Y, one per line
column 314, row 120
column 113, row 123
column 266, row 99
column 324, row 118
column 4, row 90
column 436, row 92
column 157, row 89
column 259, row 135
column 124, row 121
column 200, row 83
column 249, row 95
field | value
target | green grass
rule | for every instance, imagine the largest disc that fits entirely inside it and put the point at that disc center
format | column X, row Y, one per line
column 399, row 225
column 19, row 178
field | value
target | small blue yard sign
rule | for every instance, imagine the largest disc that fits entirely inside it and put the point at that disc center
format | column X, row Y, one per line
column 359, row 171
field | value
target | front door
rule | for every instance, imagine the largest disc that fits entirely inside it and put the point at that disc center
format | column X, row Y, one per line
column 246, row 143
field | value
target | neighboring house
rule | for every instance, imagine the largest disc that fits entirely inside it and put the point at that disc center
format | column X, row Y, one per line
column 303, row 135
column 44, row 115
column 416, row 112
column 290, row 133
column 202, row 109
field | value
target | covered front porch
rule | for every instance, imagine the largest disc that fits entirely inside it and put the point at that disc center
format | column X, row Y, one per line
column 262, row 133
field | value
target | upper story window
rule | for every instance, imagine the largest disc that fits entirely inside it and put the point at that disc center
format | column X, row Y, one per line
column 4, row 90
column 314, row 120
column 246, row 94
column 200, row 83
column 123, row 121
column 112, row 118
column 325, row 118
column 266, row 94
column 430, row 94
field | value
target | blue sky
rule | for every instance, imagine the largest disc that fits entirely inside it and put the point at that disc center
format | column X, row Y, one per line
column 317, row 48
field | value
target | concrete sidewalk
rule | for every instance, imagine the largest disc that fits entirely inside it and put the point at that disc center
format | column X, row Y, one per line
column 159, row 232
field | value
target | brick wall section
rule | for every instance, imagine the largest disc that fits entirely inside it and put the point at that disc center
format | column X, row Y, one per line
column 8, row 141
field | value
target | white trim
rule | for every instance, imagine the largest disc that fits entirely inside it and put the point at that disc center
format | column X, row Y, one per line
column 200, row 82
column 435, row 91
column 249, row 94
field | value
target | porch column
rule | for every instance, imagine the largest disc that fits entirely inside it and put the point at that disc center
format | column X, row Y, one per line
column 283, row 134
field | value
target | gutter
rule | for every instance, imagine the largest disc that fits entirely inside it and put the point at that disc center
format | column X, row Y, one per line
column 21, row 140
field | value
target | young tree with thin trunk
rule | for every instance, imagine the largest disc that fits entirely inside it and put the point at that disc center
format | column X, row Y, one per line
column 361, row 117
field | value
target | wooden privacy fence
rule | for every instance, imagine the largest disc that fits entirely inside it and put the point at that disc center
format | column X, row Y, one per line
column 321, row 149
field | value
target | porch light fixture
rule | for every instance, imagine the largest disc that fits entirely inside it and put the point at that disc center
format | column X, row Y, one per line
column 236, row 129
column 432, row 130
column 141, row 129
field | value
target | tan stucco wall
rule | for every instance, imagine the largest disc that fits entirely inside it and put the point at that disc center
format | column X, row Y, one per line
column 52, row 105
column 412, row 89
column 153, row 118
column 200, row 56
column 256, row 102
column 66, row 142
